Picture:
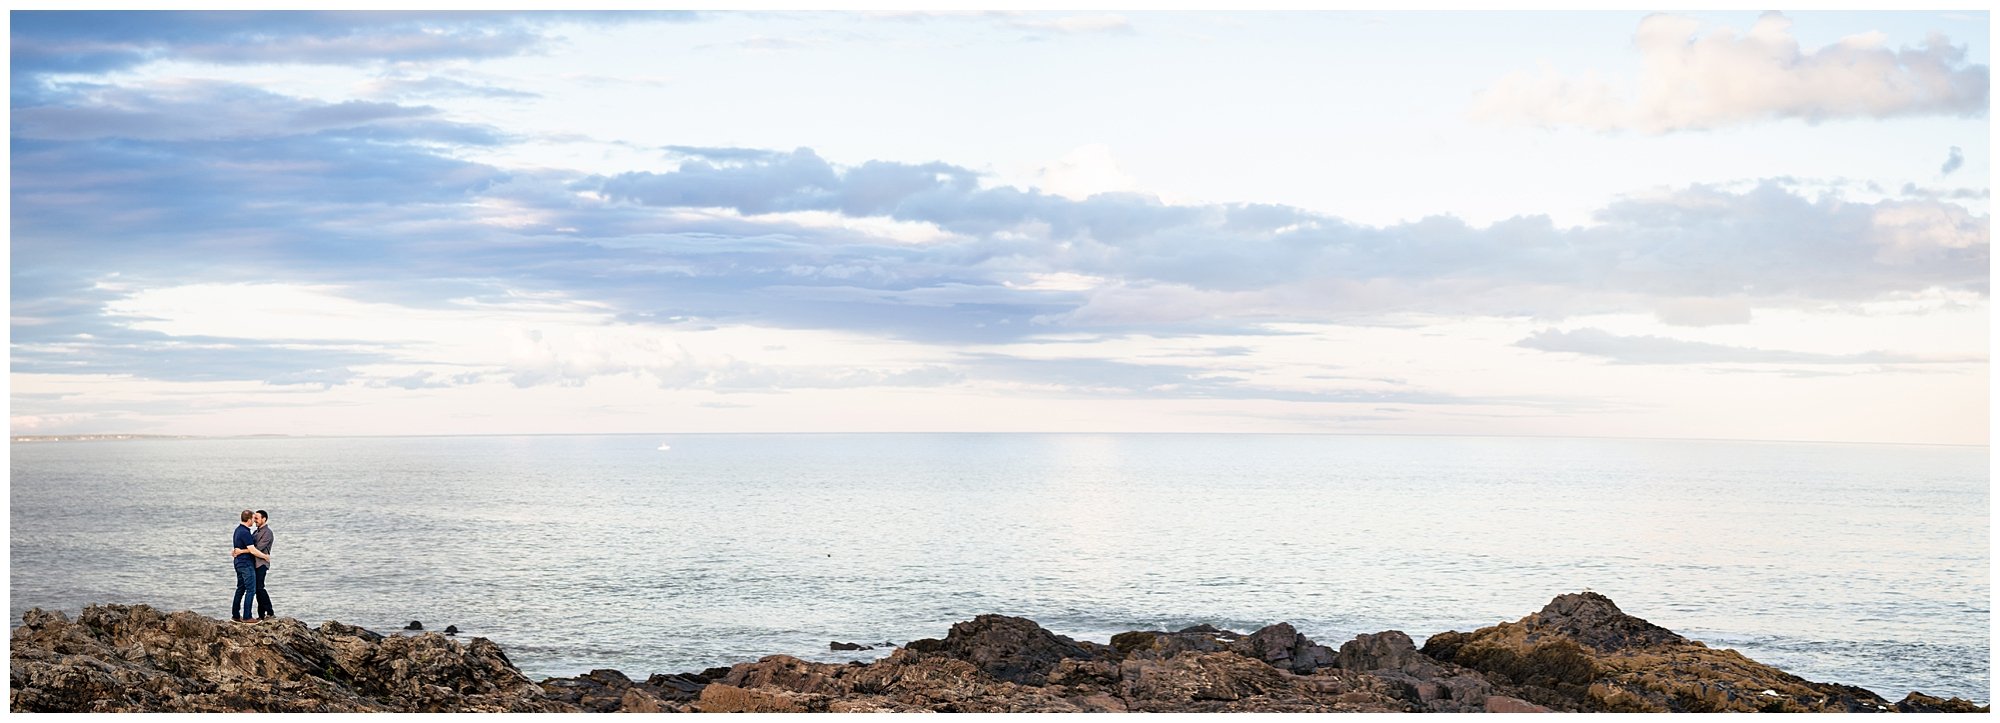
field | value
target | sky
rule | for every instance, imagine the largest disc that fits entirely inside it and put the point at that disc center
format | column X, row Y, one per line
column 1724, row 225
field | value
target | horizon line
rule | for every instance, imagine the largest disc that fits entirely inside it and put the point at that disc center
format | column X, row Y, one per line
column 268, row 435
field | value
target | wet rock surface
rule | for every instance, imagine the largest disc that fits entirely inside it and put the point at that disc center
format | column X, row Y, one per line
column 1579, row 653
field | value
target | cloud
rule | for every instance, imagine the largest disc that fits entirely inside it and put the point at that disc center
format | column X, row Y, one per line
column 433, row 86
column 101, row 41
column 1691, row 81
column 1085, row 172
column 373, row 198
column 213, row 110
column 1952, row 161
column 1110, row 378
column 1156, row 258
column 539, row 359
column 1621, row 349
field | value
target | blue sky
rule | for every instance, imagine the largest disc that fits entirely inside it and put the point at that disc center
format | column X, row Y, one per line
column 1733, row 225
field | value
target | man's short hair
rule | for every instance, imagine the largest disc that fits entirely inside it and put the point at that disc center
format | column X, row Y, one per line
column 263, row 514
column 246, row 515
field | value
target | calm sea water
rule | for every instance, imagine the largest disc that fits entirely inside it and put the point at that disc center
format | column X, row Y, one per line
column 1858, row 564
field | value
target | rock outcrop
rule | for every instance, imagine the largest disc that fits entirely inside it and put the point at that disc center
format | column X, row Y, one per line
column 1011, row 649
column 1580, row 653
column 119, row 658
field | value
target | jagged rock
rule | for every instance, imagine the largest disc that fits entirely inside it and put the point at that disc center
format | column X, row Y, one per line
column 1427, row 684
column 1155, row 644
column 610, row 691
column 1012, row 649
column 837, row 645
column 1592, row 620
column 721, row 698
column 1390, row 650
column 451, row 629
column 1920, row 703
column 1226, row 681
column 598, row 691
column 1581, row 653
column 1282, row 646
column 680, row 685
column 414, row 625
column 117, row 658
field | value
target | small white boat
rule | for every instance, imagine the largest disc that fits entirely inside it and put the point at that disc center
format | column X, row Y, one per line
column 664, row 447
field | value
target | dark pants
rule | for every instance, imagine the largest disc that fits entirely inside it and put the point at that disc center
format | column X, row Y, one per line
column 263, row 598
column 246, row 592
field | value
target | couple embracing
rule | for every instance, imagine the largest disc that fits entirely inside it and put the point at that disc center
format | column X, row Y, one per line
column 250, row 549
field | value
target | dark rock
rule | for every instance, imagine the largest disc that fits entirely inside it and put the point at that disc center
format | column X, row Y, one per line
column 598, row 691
column 340, row 629
column 1159, row 645
column 1920, row 703
column 118, row 658
column 1389, row 650
column 1427, row 684
column 451, row 629
column 837, row 645
column 1593, row 621
column 1282, row 646
column 1013, row 649
column 414, row 625
column 1211, row 630
column 677, row 685
column 610, row 691
column 714, row 673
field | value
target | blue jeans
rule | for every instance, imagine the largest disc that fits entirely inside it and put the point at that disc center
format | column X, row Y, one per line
column 246, row 592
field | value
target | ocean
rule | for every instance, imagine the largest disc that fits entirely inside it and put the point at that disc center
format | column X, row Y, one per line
column 1858, row 564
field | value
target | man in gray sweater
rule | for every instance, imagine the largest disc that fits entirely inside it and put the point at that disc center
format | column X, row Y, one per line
column 263, row 555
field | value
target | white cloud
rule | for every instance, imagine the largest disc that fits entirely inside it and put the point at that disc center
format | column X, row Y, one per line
column 1058, row 281
column 1084, row 172
column 1911, row 231
column 1689, row 81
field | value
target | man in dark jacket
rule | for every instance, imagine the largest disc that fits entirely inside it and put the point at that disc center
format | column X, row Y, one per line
column 263, row 553
column 246, row 570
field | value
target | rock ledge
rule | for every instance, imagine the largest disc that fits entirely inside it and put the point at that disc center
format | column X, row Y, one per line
column 1579, row 653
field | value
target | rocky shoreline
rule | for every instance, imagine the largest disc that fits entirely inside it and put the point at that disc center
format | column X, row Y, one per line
column 1579, row 653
